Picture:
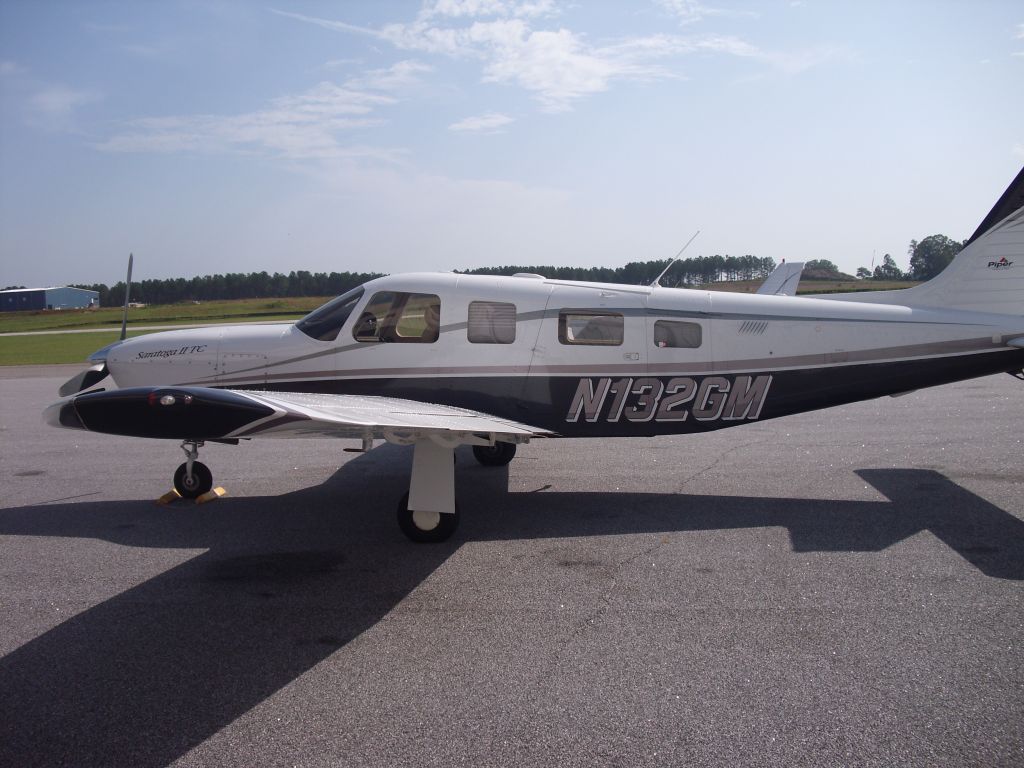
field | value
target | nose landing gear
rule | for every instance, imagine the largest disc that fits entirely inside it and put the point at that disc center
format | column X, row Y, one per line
column 193, row 478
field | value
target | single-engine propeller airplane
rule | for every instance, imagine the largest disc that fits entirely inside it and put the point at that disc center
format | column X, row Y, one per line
column 441, row 360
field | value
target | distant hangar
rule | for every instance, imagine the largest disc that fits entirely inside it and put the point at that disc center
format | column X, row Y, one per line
column 47, row 298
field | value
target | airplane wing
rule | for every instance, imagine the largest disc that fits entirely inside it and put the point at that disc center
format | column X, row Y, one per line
column 204, row 413
column 783, row 280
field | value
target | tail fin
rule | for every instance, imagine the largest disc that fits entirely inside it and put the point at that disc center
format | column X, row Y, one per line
column 986, row 276
column 783, row 280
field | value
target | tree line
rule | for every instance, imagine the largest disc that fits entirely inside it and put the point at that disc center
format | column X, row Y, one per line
column 234, row 285
column 258, row 285
column 927, row 258
column 694, row 271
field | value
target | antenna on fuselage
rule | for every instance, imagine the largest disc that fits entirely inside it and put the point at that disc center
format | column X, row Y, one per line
column 674, row 259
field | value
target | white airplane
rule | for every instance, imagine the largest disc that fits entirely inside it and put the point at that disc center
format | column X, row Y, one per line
column 441, row 360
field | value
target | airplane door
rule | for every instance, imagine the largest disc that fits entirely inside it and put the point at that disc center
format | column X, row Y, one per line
column 593, row 338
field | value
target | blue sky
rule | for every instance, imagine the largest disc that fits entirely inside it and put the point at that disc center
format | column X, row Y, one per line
column 234, row 137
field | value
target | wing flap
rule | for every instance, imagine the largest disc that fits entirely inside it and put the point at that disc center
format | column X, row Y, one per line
column 360, row 416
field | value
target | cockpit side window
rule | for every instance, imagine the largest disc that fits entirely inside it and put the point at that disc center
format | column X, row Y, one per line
column 400, row 317
column 324, row 322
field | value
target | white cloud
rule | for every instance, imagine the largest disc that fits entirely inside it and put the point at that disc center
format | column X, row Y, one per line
column 334, row 64
column 1018, row 150
column 484, row 8
column 790, row 63
column 53, row 107
column 558, row 66
column 459, row 8
column 337, row 26
column 488, row 123
column 730, row 45
column 1019, row 35
column 302, row 126
column 400, row 75
column 692, row 11
column 50, row 106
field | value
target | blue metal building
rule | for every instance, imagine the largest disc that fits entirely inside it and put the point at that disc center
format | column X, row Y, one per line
column 47, row 298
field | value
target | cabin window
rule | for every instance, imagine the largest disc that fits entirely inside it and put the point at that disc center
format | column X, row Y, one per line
column 491, row 322
column 324, row 322
column 585, row 327
column 410, row 318
column 672, row 333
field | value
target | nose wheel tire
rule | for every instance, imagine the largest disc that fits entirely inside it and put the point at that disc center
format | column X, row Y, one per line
column 426, row 527
column 195, row 486
column 497, row 455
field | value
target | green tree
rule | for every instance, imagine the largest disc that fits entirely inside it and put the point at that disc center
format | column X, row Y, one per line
column 822, row 265
column 932, row 255
column 888, row 270
column 863, row 273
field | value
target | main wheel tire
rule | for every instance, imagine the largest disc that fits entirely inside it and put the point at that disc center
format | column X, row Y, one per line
column 200, row 483
column 426, row 527
column 497, row 455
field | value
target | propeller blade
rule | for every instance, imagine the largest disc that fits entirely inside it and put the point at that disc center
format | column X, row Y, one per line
column 127, row 291
column 84, row 380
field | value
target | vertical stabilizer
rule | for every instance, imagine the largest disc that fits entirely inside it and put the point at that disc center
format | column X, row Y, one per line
column 986, row 276
column 783, row 281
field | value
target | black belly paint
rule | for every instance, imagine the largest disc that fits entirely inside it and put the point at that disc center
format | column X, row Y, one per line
column 597, row 406
column 570, row 406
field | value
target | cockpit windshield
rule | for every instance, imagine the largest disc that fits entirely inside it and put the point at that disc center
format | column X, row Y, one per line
column 324, row 322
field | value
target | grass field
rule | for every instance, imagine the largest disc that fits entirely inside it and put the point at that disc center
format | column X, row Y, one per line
column 76, row 347
column 816, row 286
column 54, row 348
column 164, row 314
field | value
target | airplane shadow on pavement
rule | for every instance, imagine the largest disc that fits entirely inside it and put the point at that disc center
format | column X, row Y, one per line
column 145, row 676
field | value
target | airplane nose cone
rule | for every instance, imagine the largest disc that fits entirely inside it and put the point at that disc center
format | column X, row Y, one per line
column 92, row 375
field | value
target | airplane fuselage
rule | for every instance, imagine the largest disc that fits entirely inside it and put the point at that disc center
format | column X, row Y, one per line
column 586, row 359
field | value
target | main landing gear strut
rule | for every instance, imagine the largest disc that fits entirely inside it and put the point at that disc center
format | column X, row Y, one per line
column 429, row 512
